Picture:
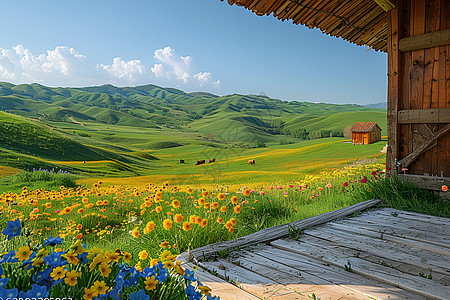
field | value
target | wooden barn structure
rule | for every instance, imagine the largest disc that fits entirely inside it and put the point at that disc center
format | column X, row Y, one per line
column 364, row 133
column 416, row 36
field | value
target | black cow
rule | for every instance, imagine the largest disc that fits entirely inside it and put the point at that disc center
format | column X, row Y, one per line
column 200, row 162
column 182, row 161
column 212, row 160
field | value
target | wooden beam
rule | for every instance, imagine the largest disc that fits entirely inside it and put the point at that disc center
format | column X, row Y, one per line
column 424, row 116
column 394, row 59
column 424, row 41
column 433, row 183
column 279, row 231
column 413, row 155
column 385, row 4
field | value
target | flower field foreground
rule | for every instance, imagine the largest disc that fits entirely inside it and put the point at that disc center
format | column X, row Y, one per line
column 148, row 221
column 46, row 271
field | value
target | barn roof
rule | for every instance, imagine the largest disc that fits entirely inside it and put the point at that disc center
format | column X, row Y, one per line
column 362, row 22
column 364, row 126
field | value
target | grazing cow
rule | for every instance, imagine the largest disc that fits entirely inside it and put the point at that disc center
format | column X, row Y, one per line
column 200, row 162
column 182, row 161
column 212, row 160
column 251, row 161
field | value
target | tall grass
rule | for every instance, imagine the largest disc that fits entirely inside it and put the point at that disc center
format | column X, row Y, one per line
column 405, row 196
column 37, row 180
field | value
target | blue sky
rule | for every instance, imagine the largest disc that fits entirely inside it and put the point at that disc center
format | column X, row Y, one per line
column 194, row 45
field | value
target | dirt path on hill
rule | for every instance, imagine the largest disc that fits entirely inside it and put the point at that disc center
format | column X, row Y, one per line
column 76, row 122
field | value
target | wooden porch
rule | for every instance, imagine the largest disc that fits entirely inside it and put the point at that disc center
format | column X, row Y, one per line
column 377, row 254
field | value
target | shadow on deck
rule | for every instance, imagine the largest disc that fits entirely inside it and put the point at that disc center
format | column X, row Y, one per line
column 377, row 254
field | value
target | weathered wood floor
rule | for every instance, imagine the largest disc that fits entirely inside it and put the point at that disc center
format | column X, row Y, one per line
column 387, row 254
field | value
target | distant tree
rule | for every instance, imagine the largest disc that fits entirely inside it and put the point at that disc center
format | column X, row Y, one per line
column 347, row 132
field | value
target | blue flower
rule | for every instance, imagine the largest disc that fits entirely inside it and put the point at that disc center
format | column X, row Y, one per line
column 189, row 275
column 27, row 264
column 57, row 282
column 116, row 292
column 53, row 241
column 53, row 259
column 36, row 291
column 163, row 274
column 83, row 257
column 42, row 276
column 209, row 297
column 9, row 257
column 3, row 281
column 192, row 293
column 149, row 272
column 8, row 293
column 139, row 296
column 12, row 229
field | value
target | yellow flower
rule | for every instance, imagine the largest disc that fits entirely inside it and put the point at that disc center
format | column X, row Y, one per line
column 143, row 255
column 234, row 200
column 221, row 196
column 104, row 269
column 126, row 256
column 71, row 277
column 93, row 251
column 192, row 218
column 179, row 269
column 153, row 262
column 135, row 232
column 150, row 283
column 237, row 209
column 76, row 248
column 204, row 290
column 89, row 294
column 246, row 192
column 167, row 224
column 149, row 227
column 58, row 273
column 201, row 201
column 223, row 209
column 187, row 226
column 168, row 264
column 72, row 258
column 164, row 244
column 158, row 209
column 112, row 256
column 100, row 258
column 100, row 288
column 204, row 223
column 215, row 205
column 163, row 256
column 176, row 203
column 233, row 221
column 24, row 253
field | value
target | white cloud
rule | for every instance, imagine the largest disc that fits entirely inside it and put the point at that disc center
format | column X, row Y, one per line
column 128, row 70
column 176, row 69
column 65, row 66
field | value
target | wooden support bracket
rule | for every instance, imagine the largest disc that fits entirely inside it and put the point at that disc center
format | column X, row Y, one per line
column 413, row 155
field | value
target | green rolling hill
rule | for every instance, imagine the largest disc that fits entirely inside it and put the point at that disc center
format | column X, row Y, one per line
column 132, row 130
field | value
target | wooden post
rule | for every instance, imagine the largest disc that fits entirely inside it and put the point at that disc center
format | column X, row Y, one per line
column 394, row 16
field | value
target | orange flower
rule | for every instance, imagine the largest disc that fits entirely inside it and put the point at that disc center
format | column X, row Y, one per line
column 246, row 192
column 81, row 211
column 187, row 226
column 201, row 201
column 167, row 224
column 204, row 193
column 219, row 220
column 221, row 196
column 234, row 200
column 237, row 209
column 228, row 225
column 207, row 205
column 198, row 220
column 215, row 205
column 158, row 209
column 135, row 232
column 150, row 226
column 223, row 209
column 178, row 218
column 79, row 226
column 444, row 188
column 164, row 244
column 204, row 223
column 48, row 205
column 231, row 229
column 192, row 218
column 233, row 221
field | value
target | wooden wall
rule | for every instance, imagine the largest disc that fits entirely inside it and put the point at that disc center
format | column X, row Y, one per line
column 364, row 138
column 419, row 87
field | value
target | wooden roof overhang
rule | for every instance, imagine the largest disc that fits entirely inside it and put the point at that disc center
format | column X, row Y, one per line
column 362, row 22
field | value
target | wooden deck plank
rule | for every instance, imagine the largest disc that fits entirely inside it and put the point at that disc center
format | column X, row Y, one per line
column 395, row 228
column 414, row 284
column 312, row 268
column 220, row 287
column 391, row 259
column 279, row 231
column 440, row 250
column 416, row 216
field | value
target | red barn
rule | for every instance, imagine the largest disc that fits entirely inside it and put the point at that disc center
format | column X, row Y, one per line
column 364, row 133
